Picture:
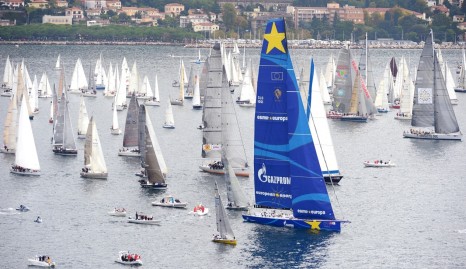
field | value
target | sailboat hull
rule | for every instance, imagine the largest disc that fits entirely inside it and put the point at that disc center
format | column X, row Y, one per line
column 2, row 150
column 129, row 153
column 238, row 172
column 34, row 174
column 332, row 178
column 151, row 103
column 115, row 131
column 225, row 241
column 176, row 102
column 460, row 90
column 324, row 225
column 153, row 186
column 94, row 175
column 65, row 152
column 434, row 136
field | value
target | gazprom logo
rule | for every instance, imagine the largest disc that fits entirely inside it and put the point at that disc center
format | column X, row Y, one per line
column 263, row 177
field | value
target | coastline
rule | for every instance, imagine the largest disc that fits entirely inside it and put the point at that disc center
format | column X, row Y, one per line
column 228, row 44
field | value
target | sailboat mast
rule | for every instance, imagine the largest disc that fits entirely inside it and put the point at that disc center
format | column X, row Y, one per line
column 367, row 63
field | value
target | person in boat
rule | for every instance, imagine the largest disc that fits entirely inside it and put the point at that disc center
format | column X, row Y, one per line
column 136, row 215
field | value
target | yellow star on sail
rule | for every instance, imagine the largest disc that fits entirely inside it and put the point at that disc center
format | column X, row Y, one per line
column 315, row 225
column 275, row 40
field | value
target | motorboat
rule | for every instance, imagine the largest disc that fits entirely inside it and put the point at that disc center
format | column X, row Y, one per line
column 41, row 261
column 200, row 210
column 143, row 219
column 23, row 208
column 170, row 201
column 379, row 163
column 127, row 258
column 118, row 212
column 38, row 220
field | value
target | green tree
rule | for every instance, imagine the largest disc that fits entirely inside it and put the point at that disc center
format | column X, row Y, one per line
column 229, row 16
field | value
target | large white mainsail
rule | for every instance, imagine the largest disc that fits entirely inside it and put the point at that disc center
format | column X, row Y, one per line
column 120, row 99
column 318, row 125
column 34, row 96
column 197, row 95
column 83, row 119
column 7, row 81
column 94, row 162
column 115, row 129
column 449, row 82
column 169, row 119
column 10, row 127
column 133, row 81
column 26, row 153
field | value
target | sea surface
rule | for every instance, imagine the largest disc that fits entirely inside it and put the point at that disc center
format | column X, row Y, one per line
column 409, row 216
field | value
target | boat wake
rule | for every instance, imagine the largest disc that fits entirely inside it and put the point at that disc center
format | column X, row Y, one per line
column 462, row 231
column 8, row 211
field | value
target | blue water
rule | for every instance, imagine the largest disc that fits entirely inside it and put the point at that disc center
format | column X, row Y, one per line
column 409, row 216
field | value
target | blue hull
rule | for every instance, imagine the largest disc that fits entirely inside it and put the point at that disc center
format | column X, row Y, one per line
column 100, row 87
column 323, row 225
column 354, row 119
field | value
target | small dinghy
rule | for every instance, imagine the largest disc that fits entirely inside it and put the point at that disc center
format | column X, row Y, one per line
column 41, row 261
column 143, row 219
column 378, row 163
column 170, row 201
column 118, row 212
column 126, row 258
column 23, row 208
column 200, row 210
column 38, row 220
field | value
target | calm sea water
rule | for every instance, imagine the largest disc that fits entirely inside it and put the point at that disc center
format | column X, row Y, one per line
column 409, row 216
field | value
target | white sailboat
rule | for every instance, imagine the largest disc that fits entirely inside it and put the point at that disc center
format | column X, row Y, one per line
column 199, row 59
column 83, row 120
column 134, row 82
column 26, row 160
column 197, row 95
column 120, row 100
column 145, row 91
column 247, row 96
column 94, row 162
column 318, row 125
column 34, row 96
column 7, row 82
column 58, row 63
column 154, row 100
column 448, row 77
column 406, row 88
column 10, row 127
column 462, row 76
column 78, row 79
column 179, row 101
column 111, row 85
column 224, row 234
column 169, row 119
column 324, row 90
column 115, row 128
column 45, row 89
column 100, row 77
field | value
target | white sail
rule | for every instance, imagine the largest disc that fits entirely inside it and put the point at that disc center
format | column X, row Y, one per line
column 318, row 124
column 197, row 95
column 121, row 92
column 134, row 81
column 7, row 74
column 156, row 90
column 93, row 154
column 34, row 96
column 146, row 89
column 44, row 86
column 330, row 71
column 26, row 153
column 78, row 79
column 115, row 124
column 58, row 63
column 155, row 143
column 324, row 89
column 110, row 86
column 83, row 119
column 169, row 119
column 248, row 94
column 10, row 127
